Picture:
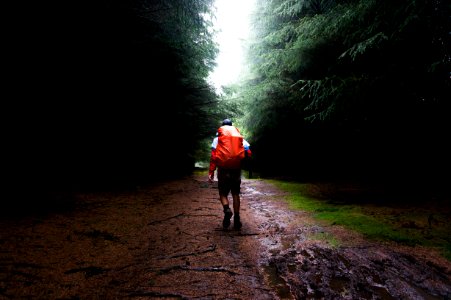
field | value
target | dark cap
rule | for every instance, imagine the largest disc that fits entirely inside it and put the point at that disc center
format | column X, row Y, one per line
column 226, row 122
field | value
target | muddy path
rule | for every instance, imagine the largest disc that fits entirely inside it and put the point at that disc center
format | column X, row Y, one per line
column 166, row 242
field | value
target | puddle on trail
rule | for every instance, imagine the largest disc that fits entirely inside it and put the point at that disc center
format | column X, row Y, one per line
column 251, row 191
column 297, row 266
column 277, row 282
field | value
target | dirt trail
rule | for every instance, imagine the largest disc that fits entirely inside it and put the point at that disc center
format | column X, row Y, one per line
column 165, row 242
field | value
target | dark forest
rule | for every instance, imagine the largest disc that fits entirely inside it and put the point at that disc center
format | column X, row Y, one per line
column 112, row 94
column 108, row 119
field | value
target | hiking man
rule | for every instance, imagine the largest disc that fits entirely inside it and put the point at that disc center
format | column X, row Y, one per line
column 228, row 149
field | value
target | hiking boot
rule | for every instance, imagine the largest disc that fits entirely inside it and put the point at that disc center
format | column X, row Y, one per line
column 227, row 216
column 237, row 223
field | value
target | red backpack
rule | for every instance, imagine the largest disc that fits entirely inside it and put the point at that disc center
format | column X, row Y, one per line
column 230, row 149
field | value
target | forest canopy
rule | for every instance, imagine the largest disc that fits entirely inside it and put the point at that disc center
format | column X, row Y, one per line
column 113, row 93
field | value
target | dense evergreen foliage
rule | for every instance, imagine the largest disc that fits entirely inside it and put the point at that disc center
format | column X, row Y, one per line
column 108, row 93
column 349, row 89
column 113, row 93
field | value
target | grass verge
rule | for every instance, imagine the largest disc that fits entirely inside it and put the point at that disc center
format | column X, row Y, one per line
column 409, row 225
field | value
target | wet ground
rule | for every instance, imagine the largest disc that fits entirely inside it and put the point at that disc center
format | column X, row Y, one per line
column 166, row 242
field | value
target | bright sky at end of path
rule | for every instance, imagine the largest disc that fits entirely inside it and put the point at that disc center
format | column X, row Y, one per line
column 232, row 24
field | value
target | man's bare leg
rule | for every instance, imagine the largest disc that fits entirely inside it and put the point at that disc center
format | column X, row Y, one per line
column 224, row 200
column 236, row 203
column 236, row 209
column 227, row 211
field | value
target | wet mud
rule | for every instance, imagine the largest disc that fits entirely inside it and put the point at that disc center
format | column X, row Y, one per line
column 298, row 265
column 166, row 242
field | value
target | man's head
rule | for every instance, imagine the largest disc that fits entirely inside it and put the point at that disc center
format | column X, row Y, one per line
column 226, row 122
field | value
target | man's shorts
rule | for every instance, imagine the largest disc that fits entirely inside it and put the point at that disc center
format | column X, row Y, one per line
column 229, row 181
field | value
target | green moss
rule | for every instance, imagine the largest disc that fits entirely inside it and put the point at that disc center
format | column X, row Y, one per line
column 402, row 225
column 327, row 237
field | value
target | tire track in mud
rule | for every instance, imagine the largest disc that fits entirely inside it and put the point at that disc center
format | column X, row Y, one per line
column 299, row 266
column 165, row 241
